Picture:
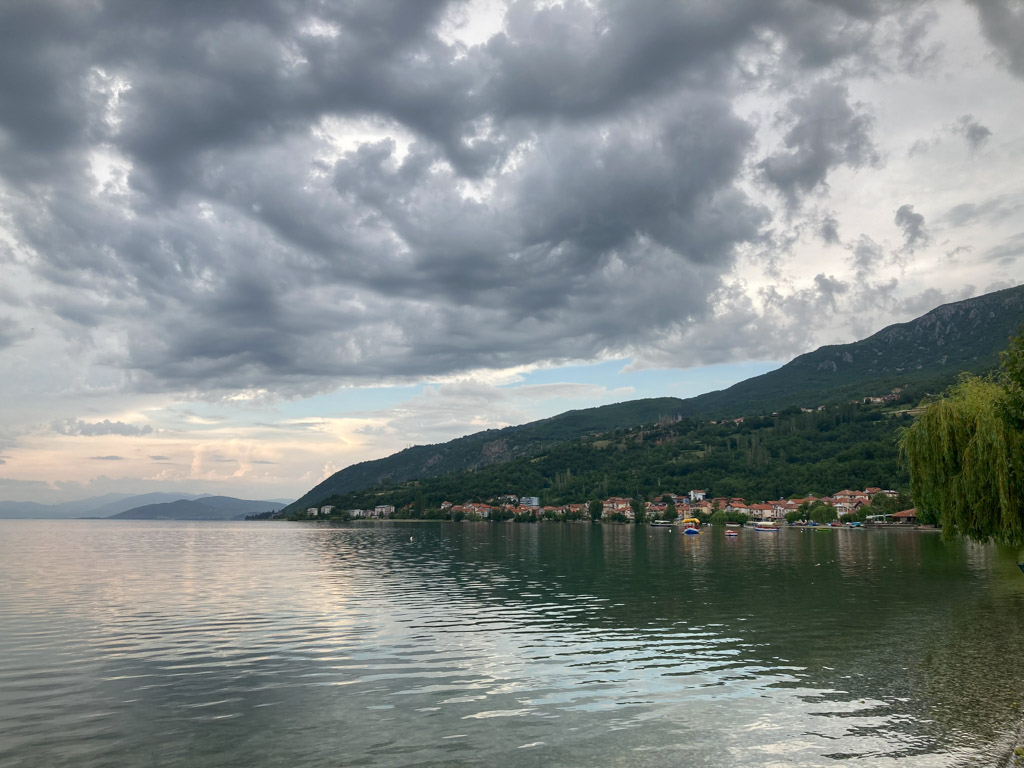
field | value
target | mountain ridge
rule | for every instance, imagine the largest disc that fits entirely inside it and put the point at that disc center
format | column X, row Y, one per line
column 93, row 506
column 923, row 354
column 204, row 508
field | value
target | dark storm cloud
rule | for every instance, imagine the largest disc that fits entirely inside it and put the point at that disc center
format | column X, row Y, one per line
column 1002, row 21
column 106, row 427
column 866, row 255
column 825, row 131
column 1008, row 252
column 912, row 224
column 11, row 332
column 975, row 133
column 828, row 229
column 993, row 210
column 569, row 188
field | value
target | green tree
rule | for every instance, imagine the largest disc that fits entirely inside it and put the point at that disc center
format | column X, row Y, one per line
column 419, row 505
column 639, row 511
column 670, row 508
column 719, row 517
column 1011, row 376
column 966, row 462
column 820, row 512
column 596, row 510
column 966, row 454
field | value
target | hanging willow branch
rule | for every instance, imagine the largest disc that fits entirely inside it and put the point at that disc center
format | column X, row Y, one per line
column 966, row 462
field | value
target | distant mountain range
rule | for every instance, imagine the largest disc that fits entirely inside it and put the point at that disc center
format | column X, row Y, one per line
column 205, row 508
column 125, row 505
column 923, row 355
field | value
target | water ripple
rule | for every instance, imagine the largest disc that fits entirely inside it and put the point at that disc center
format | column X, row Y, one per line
column 277, row 644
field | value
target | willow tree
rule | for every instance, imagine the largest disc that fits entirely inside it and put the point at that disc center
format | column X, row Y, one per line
column 965, row 453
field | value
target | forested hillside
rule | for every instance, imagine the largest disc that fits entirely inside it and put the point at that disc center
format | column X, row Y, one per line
column 493, row 446
column 922, row 356
column 792, row 453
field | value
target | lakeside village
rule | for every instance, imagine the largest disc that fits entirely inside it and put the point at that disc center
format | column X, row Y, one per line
column 871, row 505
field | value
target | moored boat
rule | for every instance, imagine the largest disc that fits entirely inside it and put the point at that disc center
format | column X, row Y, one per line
column 732, row 533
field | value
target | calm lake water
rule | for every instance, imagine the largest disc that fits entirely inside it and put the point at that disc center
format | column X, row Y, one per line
column 137, row 643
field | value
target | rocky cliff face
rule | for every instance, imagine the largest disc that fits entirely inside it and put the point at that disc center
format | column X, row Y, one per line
column 953, row 335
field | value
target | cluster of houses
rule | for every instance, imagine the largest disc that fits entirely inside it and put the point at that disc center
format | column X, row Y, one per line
column 696, row 502
column 691, row 504
column 688, row 505
column 380, row 512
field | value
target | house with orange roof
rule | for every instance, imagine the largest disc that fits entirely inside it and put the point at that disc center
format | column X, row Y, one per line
column 906, row 517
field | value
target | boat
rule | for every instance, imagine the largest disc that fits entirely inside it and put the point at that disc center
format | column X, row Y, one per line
column 732, row 525
column 691, row 531
column 768, row 528
column 661, row 523
column 732, row 533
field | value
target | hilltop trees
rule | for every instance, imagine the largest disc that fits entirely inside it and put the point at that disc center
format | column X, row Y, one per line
column 966, row 454
column 670, row 508
column 639, row 511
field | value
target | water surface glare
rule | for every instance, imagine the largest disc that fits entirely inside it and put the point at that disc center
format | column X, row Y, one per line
column 437, row 644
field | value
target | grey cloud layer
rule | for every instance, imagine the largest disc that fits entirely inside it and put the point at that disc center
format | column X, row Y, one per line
column 105, row 427
column 827, row 131
column 571, row 187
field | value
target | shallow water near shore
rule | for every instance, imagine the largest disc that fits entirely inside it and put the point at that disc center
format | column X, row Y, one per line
column 390, row 644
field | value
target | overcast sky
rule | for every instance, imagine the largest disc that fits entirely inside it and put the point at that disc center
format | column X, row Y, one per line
column 246, row 243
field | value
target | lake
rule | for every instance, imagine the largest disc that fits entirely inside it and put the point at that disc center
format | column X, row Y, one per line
column 144, row 643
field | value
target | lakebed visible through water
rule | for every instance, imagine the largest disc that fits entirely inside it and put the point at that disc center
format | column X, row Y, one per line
column 390, row 644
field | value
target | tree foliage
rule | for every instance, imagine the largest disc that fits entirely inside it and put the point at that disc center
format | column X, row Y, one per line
column 966, row 454
column 639, row 511
column 821, row 512
column 760, row 459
